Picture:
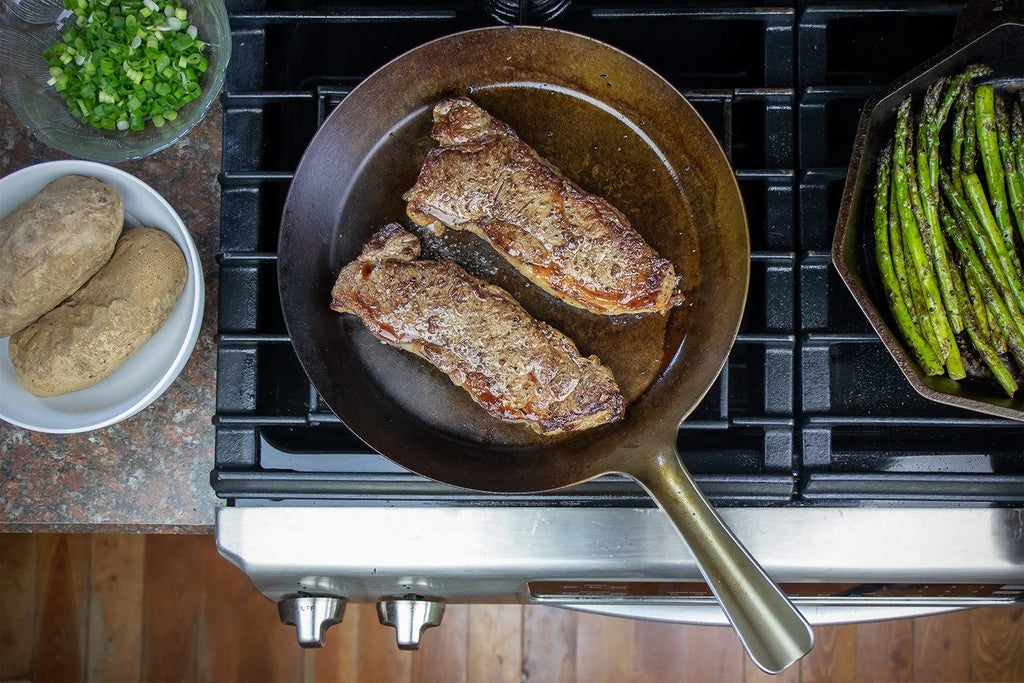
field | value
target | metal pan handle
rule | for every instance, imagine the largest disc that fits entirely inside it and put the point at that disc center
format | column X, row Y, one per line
column 772, row 631
column 980, row 16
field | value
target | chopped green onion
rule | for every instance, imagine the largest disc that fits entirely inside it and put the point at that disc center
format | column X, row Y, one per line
column 126, row 61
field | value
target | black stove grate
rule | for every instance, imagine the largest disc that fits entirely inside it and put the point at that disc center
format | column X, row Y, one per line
column 781, row 86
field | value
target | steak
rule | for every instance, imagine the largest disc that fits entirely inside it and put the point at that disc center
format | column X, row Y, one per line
column 572, row 244
column 517, row 368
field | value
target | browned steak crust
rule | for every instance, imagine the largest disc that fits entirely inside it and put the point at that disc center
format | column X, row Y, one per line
column 517, row 368
column 571, row 243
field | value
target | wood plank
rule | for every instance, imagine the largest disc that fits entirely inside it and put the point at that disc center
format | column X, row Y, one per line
column 172, row 593
column 244, row 639
column 997, row 644
column 942, row 647
column 885, row 650
column 17, row 605
column 715, row 654
column 833, row 659
column 604, row 648
column 338, row 659
column 116, row 582
column 62, row 585
column 495, row 649
column 379, row 656
column 660, row 651
column 549, row 644
column 442, row 654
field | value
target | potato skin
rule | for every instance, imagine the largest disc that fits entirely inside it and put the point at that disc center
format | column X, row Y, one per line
column 51, row 244
column 100, row 326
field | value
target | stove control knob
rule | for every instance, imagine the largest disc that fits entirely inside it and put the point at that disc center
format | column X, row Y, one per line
column 311, row 616
column 409, row 617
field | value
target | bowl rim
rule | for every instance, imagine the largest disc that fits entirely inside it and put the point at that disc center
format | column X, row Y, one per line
column 65, row 167
column 850, row 274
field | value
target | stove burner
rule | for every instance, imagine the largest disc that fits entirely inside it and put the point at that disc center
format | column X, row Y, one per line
column 525, row 11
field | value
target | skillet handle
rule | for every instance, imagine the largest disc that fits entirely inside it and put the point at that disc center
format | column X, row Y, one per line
column 772, row 631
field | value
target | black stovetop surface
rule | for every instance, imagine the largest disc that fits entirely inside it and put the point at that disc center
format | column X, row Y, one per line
column 810, row 409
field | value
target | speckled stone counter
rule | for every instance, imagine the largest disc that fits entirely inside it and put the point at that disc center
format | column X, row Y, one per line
column 149, row 473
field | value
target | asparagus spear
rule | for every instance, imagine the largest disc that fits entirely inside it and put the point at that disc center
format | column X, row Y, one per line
column 971, row 184
column 1014, row 181
column 998, row 338
column 984, row 104
column 1017, row 139
column 970, row 130
column 1018, row 123
column 959, row 291
column 915, row 246
column 956, row 144
column 988, row 353
column 993, row 252
column 979, row 203
column 919, row 305
column 925, row 205
column 978, row 304
column 899, row 261
column 920, row 348
column 957, row 86
column 995, row 303
column 934, row 119
column 975, row 193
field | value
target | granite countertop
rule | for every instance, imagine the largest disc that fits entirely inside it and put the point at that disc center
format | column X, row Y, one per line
column 149, row 473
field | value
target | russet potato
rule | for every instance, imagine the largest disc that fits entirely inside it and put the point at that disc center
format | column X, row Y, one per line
column 51, row 244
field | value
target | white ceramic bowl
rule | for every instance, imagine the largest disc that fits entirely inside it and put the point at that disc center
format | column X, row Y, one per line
column 154, row 367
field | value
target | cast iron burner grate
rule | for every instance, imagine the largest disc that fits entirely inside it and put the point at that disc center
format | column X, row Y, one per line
column 809, row 409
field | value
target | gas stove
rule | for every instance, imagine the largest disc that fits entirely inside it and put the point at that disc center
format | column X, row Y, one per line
column 864, row 500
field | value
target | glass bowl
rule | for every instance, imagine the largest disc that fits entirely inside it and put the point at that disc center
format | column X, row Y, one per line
column 28, row 27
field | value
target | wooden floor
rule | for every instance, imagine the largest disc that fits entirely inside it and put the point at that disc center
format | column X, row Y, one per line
column 127, row 608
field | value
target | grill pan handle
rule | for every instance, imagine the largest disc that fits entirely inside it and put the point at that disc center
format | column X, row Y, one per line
column 980, row 16
column 772, row 631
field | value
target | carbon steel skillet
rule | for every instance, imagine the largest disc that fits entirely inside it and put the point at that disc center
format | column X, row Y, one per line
column 619, row 130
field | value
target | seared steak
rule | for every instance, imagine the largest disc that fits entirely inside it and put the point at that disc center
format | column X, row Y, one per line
column 517, row 368
column 572, row 244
